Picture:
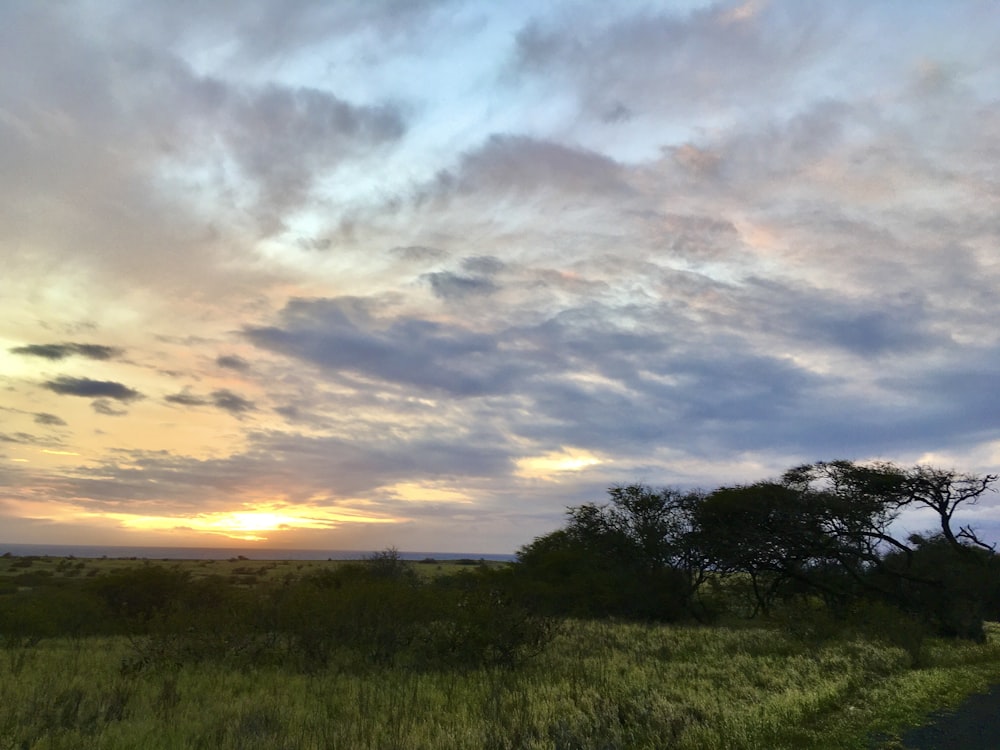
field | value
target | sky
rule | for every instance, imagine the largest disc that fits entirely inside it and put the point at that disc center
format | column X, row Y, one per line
column 423, row 273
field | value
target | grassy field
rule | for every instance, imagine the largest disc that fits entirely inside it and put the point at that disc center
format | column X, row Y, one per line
column 16, row 571
column 598, row 686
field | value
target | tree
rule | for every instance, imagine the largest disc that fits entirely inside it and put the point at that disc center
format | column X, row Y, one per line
column 952, row 588
column 827, row 529
column 630, row 557
column 389, row 565
column 944, row 491
column 763, row 531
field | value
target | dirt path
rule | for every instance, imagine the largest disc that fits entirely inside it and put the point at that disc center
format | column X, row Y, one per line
column 973, row 725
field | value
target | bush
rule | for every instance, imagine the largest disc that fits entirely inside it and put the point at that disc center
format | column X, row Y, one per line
column 951, row 589
column 49, row 612
column 564, row 576
column 374, row 611
column 135, row 596
column 483, row 623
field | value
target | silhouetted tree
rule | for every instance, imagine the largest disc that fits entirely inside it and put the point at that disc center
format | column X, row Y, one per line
column 630, row 557
column 827, row 529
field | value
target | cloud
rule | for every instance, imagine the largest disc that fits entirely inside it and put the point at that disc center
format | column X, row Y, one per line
column 290, row 467
column 284, row 139
column 51, row 420
column 775, row 362
column 447, row 285
column 292, row 413
column 87, row 388
column 195, row 164
column 487, row 265
column 185, row 398
column 61, row 351
column 107, row 407
column 222, row 399
column 259, row 35
column 578, row 379
column 477, row 279
column 868, row 326
column 342, row 334
column 111, row 107
column 418, row 253
column 228, row 401
column 519, row 163
column 317, row 244
column 617, row 113
column 232, row 362
column 18, row 437
column 664, row 61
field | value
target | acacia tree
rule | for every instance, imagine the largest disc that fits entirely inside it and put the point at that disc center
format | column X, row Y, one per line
column 763, row 531
column 876, row 494
column 944, row 491
column 951, row 576
column 827, row 528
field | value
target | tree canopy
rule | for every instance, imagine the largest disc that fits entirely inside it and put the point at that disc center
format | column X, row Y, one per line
column 824, row 531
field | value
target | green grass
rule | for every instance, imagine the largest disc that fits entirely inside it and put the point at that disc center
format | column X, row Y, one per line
column 600, row 685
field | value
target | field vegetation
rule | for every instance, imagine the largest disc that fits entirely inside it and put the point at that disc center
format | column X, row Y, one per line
column 776, row 615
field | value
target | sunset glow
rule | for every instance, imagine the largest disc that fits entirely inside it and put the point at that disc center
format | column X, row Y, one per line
column 249, row 525
column 557, row 462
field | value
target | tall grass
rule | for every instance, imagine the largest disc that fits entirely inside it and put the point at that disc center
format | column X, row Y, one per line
column 600, row 685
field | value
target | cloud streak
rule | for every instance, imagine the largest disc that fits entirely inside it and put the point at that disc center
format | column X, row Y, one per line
column 49, row 420
column 62, row 351
column 232, row 362
column 87, row 388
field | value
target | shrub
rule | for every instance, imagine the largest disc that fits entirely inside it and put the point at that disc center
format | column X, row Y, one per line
column 135, row 596
column 483, row 624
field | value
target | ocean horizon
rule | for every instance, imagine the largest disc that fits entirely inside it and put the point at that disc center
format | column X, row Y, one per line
column 225, row 553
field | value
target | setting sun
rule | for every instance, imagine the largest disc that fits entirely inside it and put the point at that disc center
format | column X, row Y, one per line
column 253, row 525
column 249, row 526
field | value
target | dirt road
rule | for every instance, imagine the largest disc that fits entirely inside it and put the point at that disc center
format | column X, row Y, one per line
column 973, row 725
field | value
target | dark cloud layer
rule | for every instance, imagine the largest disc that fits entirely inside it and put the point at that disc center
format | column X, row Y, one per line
column 581, row 378
column 343, row 334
